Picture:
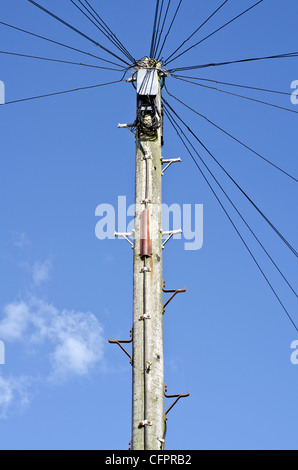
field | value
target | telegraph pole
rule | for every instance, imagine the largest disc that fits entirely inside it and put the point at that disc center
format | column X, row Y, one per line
column 148, row 418
column 147, row 360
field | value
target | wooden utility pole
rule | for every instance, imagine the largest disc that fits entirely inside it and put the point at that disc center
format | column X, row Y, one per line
column 148, row 420
column 148, row 390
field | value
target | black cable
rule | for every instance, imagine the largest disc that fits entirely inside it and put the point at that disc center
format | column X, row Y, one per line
column 163, row 443
column 77, row 31
column 170, row 27
column 154, row 29
column 59, row 61
column 176, row 127
column 214, row 32
column 235, row 183
column 145, row 355
column 162, row 29
column 62, row 92
column 157, row 28
column 94, row 23
column 219, row 64
column 108, row 36
column 102, row 23
column 198, row 29
column 252, row 232
column 239, row 96
column 59, row 43
column 234, row 138
column 145, row 314
column 233, row 85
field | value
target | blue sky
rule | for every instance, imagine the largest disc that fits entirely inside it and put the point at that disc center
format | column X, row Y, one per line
column 64, row 293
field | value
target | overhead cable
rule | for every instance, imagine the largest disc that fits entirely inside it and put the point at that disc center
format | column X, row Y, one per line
column 77, row 31
column 183, row 137
column 198, row 29
column 59, row 44
column 233, row 137
column 61, row 92
column 214, row 32
column 279, row 234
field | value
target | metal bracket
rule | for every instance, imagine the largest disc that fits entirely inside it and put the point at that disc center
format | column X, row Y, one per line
column 182, row 395
column 125, row 126
column 169, row 163
column 171, row 233
column 131, row 79
column 164, row 73
column 171, row 291
column 145, row 423
column 145, row 270
column 145, row 317
column 120, row 342
column 125, row 236
column 130, row 127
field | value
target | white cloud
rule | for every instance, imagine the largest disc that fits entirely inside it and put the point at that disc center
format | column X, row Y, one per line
column 72, row 356
column 75, row 338
column 66, row 343
column 15, row 321
column 79, row 343
column 20, row 239
column 13, row 391
column 41, row 272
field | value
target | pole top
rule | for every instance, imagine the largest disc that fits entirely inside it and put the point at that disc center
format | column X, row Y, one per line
column 148, row 63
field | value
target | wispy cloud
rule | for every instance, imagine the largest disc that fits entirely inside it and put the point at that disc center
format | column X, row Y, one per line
column 14, row 322
column 20, row 239
column 74, row 340
column 13, row 392
column 41, row 271
column 63, row 343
